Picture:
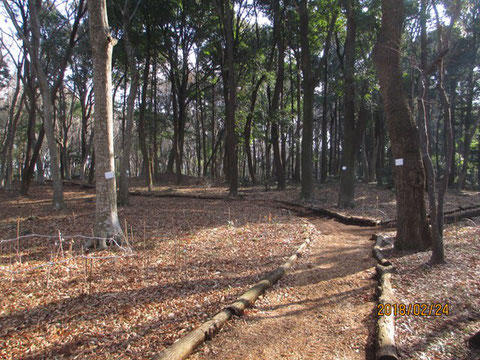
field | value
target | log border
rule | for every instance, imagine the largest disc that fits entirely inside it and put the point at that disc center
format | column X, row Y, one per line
column 185, row 346
column 386, row 348
column 450, row 216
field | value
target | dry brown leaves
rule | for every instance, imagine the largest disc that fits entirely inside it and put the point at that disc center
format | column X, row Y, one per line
column 456, row 283
column 191, row 258
column 195, row 256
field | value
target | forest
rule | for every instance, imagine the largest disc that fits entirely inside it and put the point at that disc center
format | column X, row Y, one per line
column 301, row 177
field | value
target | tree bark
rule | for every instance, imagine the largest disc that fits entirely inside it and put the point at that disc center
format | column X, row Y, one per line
column 326, row 51
column 275, row 105
column 412, row 227
column 225, row 10
column 350, row 142
column 134, row 80
column 142, row 136
column 102, row 42
column 248, row 127
column 308, row 89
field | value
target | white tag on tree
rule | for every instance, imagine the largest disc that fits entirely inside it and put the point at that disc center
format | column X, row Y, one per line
column 344, row 168
column 109, row 175
column 399, row 162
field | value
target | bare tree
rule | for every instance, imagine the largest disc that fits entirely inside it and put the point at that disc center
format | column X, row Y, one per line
column 48, row 91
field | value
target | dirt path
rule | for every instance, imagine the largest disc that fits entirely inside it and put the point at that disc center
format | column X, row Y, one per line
column 322, row 309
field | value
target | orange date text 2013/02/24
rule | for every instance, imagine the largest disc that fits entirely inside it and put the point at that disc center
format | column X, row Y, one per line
column 415, row 309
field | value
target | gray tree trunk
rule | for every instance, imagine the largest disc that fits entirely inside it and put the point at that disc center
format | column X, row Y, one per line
column 102, row 42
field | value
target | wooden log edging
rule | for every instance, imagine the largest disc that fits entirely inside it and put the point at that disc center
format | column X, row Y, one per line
column 348, row 220
column 386, row 348
column 185, row 346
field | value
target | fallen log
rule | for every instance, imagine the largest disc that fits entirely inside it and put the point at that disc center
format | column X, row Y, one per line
column 183, row 347
column 386, row 348
column 83, row 185
column 377, row 252
column 347, row 220
column 454, row 217
column 176, row 196
column 385, row 341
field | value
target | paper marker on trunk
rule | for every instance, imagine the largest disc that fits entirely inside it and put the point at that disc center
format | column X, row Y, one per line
column 399, row 162
column 109, row 175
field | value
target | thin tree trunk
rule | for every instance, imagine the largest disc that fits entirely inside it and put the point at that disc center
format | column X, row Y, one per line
column 326, row 51
column 275, row 105
column 248, row 126
column 134, row 80
column 308, row 89
column 142, row 135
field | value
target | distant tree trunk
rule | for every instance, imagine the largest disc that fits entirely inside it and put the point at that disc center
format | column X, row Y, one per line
column 308, row 89
column 412, row 225
column 142, row 135
column 29, row 165
column 225, row 10
column 86, row 108
column 275, row 105
column 213, row 133
column 28, row 171
column 326, row 51
column 248, row 126
column 296, row 176
column 102, row 42
column 123, row 190
column 173, row 152
column 14, row 113
column 353, row 132
column 40, row 174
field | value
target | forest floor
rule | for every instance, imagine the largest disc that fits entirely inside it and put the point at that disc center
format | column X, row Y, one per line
column 193, row 256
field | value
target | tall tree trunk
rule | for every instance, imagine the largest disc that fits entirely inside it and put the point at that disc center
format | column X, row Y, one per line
column 296, row 176
column 142, row 135
column 123, row 191
column 347, row 175
column 326, row 51
column 308, row 89
column 275, row 105
column 102, row 42
column 412, row 225
column 225, row 9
